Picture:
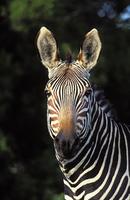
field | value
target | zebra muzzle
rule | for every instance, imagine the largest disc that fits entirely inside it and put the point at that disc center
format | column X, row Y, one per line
column 66, row 146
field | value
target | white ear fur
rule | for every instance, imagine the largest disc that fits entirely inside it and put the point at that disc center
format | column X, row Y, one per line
column 47, row 47
column 91, row 47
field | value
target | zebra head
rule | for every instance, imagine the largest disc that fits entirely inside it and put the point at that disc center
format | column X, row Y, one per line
column 68, row 91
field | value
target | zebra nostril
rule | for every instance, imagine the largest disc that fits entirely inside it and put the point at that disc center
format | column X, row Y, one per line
column 74, row 144
column 66, row 147
column 56, row 139
column 61, row 141
column 59, row 138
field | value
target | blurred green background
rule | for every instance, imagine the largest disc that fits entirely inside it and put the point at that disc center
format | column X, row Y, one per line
column 28, row 168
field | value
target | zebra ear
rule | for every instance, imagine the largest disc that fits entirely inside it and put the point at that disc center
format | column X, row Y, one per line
column 47, row 47
column 89, row 53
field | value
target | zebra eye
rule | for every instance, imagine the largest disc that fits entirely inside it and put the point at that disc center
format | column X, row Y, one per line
column 48, row 92
column 48, row 89
column 88, row 91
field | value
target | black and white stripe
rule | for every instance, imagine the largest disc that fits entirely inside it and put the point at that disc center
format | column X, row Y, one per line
column 91, row 145
column 100, row 169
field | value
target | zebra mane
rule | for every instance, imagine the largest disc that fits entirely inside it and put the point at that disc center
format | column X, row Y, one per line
column 69, row 57
column 104, row 103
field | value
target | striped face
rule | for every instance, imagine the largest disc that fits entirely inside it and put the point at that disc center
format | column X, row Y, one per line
column 68, row 105
column 68, row 90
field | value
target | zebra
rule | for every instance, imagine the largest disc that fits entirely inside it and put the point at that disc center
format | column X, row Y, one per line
column 92, row 147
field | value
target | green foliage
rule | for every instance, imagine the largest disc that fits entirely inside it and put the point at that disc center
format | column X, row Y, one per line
column 28, row 169
column 23, row 13
column 3, row 143
column 58, row 197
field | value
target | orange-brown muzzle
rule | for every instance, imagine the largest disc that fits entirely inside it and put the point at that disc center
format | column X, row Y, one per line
column 66, row 141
